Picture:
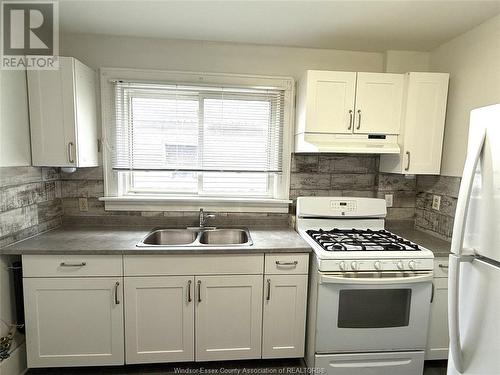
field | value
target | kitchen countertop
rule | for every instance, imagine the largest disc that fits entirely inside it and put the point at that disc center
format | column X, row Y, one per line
column 123, row 240
column 405, row 229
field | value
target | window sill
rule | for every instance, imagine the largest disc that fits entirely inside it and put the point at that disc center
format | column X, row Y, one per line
column 214, row 204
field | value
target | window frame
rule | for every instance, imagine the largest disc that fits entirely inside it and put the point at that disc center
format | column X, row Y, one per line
column 157, row 201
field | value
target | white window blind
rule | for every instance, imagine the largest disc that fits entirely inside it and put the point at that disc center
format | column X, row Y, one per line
column 201, row 140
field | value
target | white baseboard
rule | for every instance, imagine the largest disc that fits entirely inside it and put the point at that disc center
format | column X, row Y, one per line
column 16, row 363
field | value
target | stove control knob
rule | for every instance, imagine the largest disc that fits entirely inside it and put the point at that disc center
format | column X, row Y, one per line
column 412, row 264
column 400, row 265
column 354, row 265
column 377, row 265
column 342, row 266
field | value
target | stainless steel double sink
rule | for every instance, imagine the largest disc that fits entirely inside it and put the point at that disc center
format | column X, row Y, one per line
column 197, row 237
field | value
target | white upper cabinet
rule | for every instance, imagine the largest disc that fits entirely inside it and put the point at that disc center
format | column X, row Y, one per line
column 63, row 116
column 14, row 119
column 422, row 128
column 329, row 102
column 348, row 112
column 378, row 103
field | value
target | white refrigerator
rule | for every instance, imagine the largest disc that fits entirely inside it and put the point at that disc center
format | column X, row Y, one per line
column 474, row 278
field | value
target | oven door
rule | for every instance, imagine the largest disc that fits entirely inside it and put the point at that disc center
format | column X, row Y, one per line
column 372, row 311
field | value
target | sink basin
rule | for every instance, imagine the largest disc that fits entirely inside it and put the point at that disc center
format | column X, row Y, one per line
column 197, row 237
column 169, row 237
column 225, row 237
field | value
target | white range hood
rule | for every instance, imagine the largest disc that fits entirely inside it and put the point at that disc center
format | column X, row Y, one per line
column 347, row 143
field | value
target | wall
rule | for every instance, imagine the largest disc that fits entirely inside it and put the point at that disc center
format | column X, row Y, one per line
column 438, row 223
column 149, row 53
column 406, row 61
column 472, row 59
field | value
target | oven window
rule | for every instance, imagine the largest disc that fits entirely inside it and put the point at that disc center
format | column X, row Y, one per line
column 374, row 308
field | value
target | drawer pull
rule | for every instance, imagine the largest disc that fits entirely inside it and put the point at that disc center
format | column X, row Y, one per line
column 117, row 301
column 280, row 263
column 443, row 266
column 79, row 264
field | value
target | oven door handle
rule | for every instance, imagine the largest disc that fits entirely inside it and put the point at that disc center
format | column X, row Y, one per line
column 330, row 279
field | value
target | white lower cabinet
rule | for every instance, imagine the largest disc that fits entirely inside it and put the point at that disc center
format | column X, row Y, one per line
column 437, row 338
column 74, row 321
column 159, row 319
column 228, row 317
column 89, row 311
column 284, row 316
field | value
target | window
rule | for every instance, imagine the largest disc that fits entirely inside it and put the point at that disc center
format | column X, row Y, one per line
column 170, row 140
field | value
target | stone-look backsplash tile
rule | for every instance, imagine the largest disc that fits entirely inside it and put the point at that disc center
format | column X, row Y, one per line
column 351, row 176
column 439, row 223
column 312, row 175
column 29, row 202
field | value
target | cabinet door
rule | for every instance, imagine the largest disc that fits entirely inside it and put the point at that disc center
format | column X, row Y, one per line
column 330, row 101
column 74, row 321
column 424, row 122
column 52, row 115
column 284, row 315
column 228, row 317
column 159, row 319
column 437, row 339
column 86, row 115
column 379, row 98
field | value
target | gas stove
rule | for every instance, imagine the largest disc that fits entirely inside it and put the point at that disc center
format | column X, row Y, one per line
column 360, row 240
column 347, row 234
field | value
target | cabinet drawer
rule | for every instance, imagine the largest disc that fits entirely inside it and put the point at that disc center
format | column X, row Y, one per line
column 441, row 267
column 72, row 265
column 217, row 264
column 287, row 263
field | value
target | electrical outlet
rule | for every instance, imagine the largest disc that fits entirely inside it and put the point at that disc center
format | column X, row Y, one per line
column 83, row 204
column 389, row 200
column 436, row 202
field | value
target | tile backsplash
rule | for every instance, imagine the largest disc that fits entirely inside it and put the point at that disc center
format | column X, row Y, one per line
column 353, row 176
column 439, row 223
column 36, row 199
column 30, row 202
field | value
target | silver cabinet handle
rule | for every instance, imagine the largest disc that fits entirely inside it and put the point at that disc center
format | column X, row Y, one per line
column 432, row 293
column 69, row 264
column 268, row 295
column 443, row 266
column 189, row 291
column 350, row 119
column 359, row 119
column 70, row 152
column 280, row 263
column 199, row 290
column 117, row 302
column 408, row 161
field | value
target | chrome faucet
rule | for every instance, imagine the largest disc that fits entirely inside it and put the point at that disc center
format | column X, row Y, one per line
column 204, row 217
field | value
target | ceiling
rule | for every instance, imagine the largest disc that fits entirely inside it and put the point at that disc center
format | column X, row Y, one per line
column 353, row 25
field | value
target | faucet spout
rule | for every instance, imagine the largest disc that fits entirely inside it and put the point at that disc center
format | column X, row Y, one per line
column 204, row 217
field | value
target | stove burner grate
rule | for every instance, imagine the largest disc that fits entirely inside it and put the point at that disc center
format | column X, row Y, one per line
column 360, row 240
